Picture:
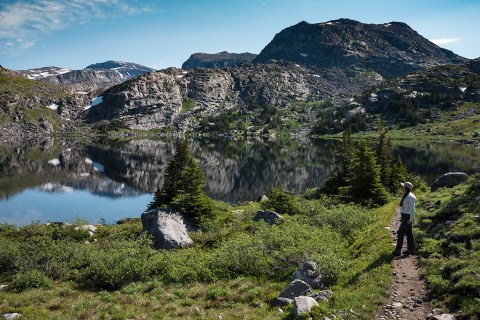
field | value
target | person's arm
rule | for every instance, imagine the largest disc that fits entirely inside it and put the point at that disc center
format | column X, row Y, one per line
column 411, row 208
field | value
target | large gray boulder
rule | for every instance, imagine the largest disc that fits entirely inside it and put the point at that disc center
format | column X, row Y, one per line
column 449, row 180
column 296, row 288
column 303, row 304
column 310, row 273
column 270, row 217
column 169, row 228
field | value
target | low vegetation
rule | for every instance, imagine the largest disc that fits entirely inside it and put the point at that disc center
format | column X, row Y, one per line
column 235, row 267
column 449, row 241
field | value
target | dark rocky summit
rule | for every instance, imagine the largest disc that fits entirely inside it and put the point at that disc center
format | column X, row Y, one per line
column 391, row 49
column 217, row 60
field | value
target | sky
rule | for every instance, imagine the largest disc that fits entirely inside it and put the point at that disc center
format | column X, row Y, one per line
column 164, row 33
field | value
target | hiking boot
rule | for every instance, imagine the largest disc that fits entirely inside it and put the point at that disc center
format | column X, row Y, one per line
column 396, row 253
column 408, row 252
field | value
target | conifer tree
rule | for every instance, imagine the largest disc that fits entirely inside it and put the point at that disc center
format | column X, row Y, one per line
column 363, row 179
column 183, row 187
column 399, row 174
column 384, row 157
column 342, row 154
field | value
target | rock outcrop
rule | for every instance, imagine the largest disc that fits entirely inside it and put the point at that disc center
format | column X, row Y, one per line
column 270, row 217
column 168, row 228
column 310, row 273
column 148, row 102
column 449, row 180
column 217, row 60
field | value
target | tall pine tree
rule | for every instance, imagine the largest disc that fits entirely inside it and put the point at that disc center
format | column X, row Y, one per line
column 342, row 154
column 183, row 187
column 363, row 179
column 384, row 158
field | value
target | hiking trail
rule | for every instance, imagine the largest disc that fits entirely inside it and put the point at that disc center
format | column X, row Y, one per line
column 408, row 294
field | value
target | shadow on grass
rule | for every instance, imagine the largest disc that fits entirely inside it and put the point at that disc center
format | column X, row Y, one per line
column 384, row 258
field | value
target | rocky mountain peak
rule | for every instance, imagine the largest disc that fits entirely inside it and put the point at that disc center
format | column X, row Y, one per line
column 391, row 49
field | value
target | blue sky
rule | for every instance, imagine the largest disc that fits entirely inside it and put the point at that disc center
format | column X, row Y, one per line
column 163, row 33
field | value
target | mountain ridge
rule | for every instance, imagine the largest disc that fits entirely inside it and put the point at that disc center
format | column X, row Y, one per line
column 217, row 60
column 391, row 49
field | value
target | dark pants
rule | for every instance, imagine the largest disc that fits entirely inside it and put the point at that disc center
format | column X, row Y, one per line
column 405, row 229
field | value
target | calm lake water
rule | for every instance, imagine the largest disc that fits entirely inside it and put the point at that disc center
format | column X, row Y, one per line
column 55, row 180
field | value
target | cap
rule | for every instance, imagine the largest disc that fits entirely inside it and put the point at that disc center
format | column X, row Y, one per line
column 408, row 185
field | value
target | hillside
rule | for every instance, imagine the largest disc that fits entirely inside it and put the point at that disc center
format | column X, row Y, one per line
column 449, row 237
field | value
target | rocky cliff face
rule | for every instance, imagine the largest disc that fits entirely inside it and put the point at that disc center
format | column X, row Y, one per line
column 217, row 60
column 179, row 100
column 392, row 49
column 147, row 102
column 100, row 75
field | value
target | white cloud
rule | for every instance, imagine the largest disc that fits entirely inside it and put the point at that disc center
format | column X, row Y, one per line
column 23, row 22
column 442, row 41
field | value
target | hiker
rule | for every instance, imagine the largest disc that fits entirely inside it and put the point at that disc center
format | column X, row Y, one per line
column 407, row 210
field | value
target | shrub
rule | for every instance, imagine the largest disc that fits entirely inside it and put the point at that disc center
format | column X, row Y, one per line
column 281, row 202
column 115, row 268
column 30, row 279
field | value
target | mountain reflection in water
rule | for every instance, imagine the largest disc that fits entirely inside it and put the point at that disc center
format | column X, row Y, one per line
column 63, row 179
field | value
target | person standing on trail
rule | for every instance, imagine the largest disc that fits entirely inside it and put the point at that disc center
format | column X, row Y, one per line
column 407, row 210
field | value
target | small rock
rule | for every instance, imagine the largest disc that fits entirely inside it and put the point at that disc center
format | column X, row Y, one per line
column 87, row 227
column 303, row 304
column 323, row 295
column 3, row 286
column 444, row 316
column 11, row 316
column 397, row 305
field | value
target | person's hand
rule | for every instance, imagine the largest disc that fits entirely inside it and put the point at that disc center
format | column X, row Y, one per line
column 409, row 222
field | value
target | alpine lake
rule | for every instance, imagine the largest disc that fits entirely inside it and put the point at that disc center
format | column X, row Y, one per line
column 103, row 182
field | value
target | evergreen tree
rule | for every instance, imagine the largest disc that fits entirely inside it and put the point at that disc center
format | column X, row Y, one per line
column 183, row 187
column 363, row 179
column 342, row 154
column 399, row 174
column 384, row 158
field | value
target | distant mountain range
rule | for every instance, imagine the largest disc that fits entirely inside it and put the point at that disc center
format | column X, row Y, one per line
column 306, row 74
column 94, row 76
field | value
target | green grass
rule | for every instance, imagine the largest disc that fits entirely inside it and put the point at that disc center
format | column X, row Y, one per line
column 449, row 238
column 233, row 270
column 187, row 105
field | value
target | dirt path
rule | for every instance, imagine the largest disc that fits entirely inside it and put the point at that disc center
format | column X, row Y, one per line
column 408, row 294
